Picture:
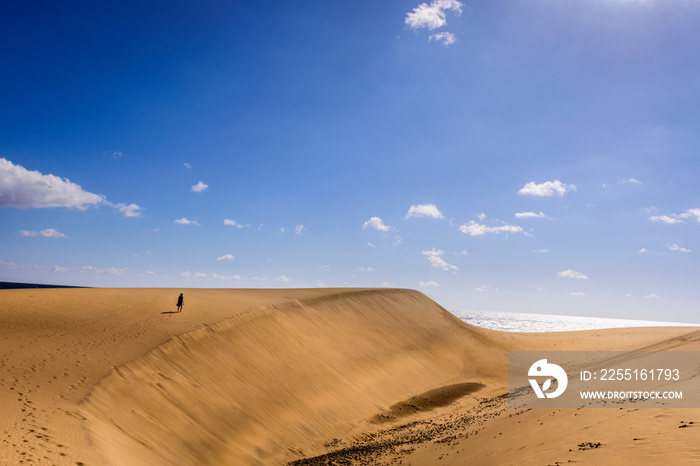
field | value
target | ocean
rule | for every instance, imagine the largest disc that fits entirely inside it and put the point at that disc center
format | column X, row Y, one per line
column 526, row 323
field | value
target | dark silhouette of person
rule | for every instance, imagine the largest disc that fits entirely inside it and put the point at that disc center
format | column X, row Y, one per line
column 179, row 303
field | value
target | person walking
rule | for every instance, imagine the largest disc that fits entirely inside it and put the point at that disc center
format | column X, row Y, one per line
column 179, row 303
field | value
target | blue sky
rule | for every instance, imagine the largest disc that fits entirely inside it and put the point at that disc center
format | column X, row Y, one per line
column 528, row 156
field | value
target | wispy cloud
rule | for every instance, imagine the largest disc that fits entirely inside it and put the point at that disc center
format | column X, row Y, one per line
column 233, row 223
column 429, row 284
column 577, row 293
column 483, row 288
column 629, row 181
column 103, row 271
column 424, row 210
column 187, row 165
column 477, row 229
column 200, row 187
column 677, row 218
column 299, row 229
column 436, row 260
column 540, row 251
column 652, row 296
column 283, row 278
column 47, row 233
column 447, row 38
column 675, row 247
column 529, row 215
column 666, row 219
column 226, row 257
column 546, row 189
column 568, row 273
column 377, row 224
column 130, row 210
column 185, row 221
column 367, row 269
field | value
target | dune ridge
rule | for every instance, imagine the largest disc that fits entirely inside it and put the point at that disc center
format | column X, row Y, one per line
column 270, row 384
column 299, row 376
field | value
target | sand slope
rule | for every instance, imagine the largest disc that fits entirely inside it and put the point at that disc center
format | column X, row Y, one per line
column 272, row 376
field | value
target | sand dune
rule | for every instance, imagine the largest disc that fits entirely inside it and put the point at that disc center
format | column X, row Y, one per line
column 275, row 376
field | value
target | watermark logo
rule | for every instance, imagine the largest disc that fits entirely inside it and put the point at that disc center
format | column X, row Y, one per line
column 542, row 368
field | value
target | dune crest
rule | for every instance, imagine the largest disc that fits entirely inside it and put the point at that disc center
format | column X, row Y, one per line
column 270, row 384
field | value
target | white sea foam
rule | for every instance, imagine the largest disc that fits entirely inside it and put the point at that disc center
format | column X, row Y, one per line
column 524, row 322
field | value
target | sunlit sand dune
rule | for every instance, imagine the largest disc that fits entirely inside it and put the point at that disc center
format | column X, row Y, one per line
column 275, row 376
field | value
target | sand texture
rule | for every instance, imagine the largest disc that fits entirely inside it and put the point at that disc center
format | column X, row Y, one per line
column 320, row 376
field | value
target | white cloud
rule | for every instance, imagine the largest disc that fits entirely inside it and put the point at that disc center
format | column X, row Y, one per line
column 643, row 251
column 225, row 277
column 22, row 189
column 666, row 219
column 652, row 296
column 483, row 288
column 675, row 247
column 117, row 154
column 199, row 187
column 282, row 278
column 107, row 271
column 367, row 269
column 48, row 233
column 185, row 221
column 577, row 293
column 376, row 223
column 7, row 264
column 546, row 189
column 281, row 230
column 233, row 223
column 424, row 210
column 463, row 252
column 298, row 229
column 540, row 251
column 435, row 259
column 226, row 257
column 477, row 229
column 677, row 218
column 481, row 216
column 568, row 273
column 432, row 16
column 131, row 210
column 529, row 215
column 431, row 283
column 629, row 181
column 690, row 213
column 59, row 269
column 447, row 38
column 371, row 245
column 187, row 165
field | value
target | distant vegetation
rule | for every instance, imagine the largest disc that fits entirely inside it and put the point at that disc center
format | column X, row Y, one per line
column 17, row 286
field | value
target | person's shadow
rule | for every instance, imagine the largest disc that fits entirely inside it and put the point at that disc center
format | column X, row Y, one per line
column 169, row 312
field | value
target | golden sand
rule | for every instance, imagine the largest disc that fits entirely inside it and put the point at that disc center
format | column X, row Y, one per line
column 113, row 376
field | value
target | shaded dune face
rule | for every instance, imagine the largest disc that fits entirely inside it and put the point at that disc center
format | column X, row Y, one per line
column 272, row 384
